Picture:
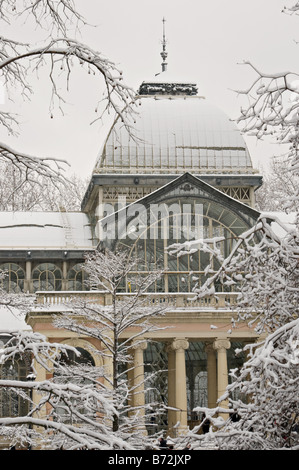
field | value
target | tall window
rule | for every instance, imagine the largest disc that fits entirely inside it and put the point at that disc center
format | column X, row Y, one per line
column 13, row 278
column 197, row 381
column 77, row 278
column 47, row 277
column 11, row 403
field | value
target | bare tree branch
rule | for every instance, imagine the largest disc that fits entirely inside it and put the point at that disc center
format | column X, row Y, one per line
column 60, row 56
column 56, row 15
column 32, row 168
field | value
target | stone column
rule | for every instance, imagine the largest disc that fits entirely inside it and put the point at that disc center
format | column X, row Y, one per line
column 137, row 374
column 107, row 358
column 108, row 370
column 171, row 389
column 221, row 346
column 64, row 275
column 42, row 374
column 212, row 376
column 179, row 346
column 107, row 362
column 28, row 283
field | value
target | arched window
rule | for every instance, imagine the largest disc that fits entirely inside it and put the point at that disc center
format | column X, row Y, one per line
column 13, row 278
column 77, row 278
column 184, row 219
column 12, row 403
column 47, row 277
column 71, row 372
column 197, row 377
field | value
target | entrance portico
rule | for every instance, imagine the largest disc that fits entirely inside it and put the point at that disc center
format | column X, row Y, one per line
column 196, row 348
column 183, row 394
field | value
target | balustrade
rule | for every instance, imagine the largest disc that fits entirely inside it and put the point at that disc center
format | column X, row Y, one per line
column 176, row 300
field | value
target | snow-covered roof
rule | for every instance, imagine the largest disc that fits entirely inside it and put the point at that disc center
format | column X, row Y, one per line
column 44, row 230
column 12, row 321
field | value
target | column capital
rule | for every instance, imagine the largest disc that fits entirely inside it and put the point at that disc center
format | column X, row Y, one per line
column 179, row 343
column 221, row 344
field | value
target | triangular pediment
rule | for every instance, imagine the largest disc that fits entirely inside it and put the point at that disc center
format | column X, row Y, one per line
column 190, row 186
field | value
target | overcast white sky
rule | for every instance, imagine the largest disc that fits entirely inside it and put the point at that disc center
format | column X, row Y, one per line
column 206, row 42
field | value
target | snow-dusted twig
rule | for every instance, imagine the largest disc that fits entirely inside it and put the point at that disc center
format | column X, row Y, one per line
column 59, row 56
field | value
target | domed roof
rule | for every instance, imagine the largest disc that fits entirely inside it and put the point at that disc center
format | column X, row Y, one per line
column 176, row 131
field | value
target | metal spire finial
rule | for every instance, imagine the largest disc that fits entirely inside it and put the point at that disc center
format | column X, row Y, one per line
column 164, row 53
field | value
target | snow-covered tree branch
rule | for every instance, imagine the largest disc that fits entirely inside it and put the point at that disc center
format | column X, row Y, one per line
column 291, row 9
column 91, row 398
column 59, row 55
column 58, row 15
column 66, row 411
column 272, row 106
column 17, row 194
column 263, row 398
column 122, row 325
column 279, row 188
column 263, row 268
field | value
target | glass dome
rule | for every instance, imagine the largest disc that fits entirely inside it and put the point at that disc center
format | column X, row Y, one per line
column 175, row 132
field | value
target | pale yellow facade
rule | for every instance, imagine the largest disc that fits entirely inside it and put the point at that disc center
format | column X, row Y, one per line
column 180, row 326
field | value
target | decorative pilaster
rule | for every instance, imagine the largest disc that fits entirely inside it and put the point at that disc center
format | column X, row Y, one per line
column 179, row 346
